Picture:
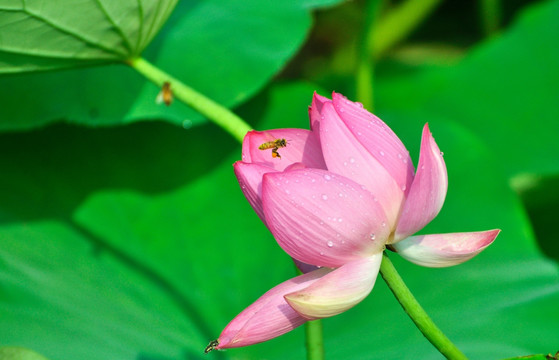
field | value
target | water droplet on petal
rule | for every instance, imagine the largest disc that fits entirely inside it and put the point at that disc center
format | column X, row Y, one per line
column 383, row 224
column 359, row 105
column 442, row 153
column 372, row 236
column 324, row 197
column 340, row 220
column 340, row 194
column 321, row 253
column 352, row 160
column 399, row 156
column 403, row 187
column 381, row 153
column 327, row 177
column 330, row 243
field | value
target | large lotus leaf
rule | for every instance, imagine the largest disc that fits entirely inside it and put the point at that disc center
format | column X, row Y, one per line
column 505, row 91
column 18, row 353
column 226, row 49
column 136, row 243
column 45, row 35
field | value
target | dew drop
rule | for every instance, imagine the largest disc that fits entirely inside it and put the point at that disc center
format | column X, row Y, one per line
column 324, row 197
column 383, row 223
column 375, row 199
column 340, row 195
column 340, row 220
column 330, row 243
column 321, row 253
column 399, row 156
column 381, row 153
column 187, row 124
column 403, row 187
column 327, row 177
column 287, row 192
column 372, row 236
column 313, row 180
column 359, row 105
column 352, row 160
column 442, row 153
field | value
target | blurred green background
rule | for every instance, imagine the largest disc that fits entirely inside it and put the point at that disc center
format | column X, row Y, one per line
column 123, row 231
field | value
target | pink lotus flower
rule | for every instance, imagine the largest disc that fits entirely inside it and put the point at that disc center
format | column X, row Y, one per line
column 334, row 197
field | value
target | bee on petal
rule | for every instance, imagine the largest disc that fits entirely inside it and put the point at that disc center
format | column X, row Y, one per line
column 274, row 145
column 165, row 95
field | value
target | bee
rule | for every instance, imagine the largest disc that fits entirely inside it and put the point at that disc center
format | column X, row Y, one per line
column 165, row 95
column 274, row 145
column 211, row 346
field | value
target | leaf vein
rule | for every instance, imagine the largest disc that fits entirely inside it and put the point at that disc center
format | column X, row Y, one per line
column 65, row 31
column 118, row 29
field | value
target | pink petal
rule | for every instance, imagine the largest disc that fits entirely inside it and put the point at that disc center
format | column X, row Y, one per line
column 321, row 218
column 315, row 111
column 250, row 179
column 304, row 267
column 269, row 316
column 302, row 146
column 441, row 250
column 337, row 291
column 345, row 155
column 379, row 140
column 428, row 190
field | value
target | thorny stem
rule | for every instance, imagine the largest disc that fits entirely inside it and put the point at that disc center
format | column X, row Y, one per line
column 416, row 312
column 204, row 105
column 314, row 340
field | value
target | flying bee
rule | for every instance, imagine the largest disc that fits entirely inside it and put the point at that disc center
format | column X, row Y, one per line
column 274, row 145
column 165, row 95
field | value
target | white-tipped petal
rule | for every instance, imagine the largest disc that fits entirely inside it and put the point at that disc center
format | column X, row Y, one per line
column 442, row 250
column 337, row 291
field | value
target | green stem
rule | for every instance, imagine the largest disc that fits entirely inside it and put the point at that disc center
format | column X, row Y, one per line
column 365, row 63
column 534, row 357
column 398, row 23
column 313, row 336
column 416, row 312
column 490, row 14
column 204, row 105
column 314, row 342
